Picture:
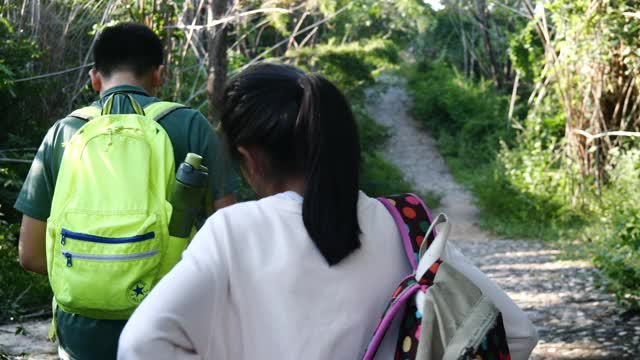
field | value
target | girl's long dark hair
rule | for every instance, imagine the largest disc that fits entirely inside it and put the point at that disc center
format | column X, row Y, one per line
column 305, row 126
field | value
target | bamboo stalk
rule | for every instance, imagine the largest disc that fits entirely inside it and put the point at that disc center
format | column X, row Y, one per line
column 514, row 94
column 591, row 137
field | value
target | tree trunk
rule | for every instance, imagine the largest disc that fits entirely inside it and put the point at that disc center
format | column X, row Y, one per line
column 218, row 62
column 483, row 17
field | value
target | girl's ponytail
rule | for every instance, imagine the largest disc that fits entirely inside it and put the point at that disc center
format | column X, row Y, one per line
column 304, row 126
column 326, row 143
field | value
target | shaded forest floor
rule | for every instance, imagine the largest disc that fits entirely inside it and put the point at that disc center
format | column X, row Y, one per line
column 574, row 318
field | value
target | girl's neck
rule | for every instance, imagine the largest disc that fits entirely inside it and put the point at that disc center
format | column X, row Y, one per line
column 295, row 184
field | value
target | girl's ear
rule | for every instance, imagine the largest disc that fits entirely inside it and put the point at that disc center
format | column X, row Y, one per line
column 249, row 165
column 255, row 169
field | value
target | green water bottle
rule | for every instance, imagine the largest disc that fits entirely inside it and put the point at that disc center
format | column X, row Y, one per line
column 186, row 195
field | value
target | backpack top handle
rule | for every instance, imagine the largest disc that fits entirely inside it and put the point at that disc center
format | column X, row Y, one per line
column 432, row 253
column 108, row 105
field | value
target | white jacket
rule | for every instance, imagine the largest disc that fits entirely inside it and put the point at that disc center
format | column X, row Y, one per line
column 252, row 285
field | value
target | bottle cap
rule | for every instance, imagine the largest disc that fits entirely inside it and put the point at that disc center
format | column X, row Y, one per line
column 194, row 160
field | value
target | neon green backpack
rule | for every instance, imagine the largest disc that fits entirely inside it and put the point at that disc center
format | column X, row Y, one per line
column 108, row 241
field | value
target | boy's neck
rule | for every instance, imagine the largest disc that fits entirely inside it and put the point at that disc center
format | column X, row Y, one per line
column 126, row 78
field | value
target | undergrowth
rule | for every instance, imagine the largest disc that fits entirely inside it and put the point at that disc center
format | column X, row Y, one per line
column 523, row 184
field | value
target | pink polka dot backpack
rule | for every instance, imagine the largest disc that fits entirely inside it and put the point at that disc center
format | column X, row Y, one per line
column 444, row 315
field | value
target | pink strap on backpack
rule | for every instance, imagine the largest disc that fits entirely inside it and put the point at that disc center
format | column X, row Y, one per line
column 413, row 220
column 484, row 339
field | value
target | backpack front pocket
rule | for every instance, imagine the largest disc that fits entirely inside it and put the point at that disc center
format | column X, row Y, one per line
column 91, row 257
column 66, row 234
column 110, row 276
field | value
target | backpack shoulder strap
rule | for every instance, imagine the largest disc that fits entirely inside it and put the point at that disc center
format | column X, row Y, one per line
column 413, row 219
column 160, row 109
column 86, row 113
column 157, row 110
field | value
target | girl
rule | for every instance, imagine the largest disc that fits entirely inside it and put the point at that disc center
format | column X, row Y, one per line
column 305, row 272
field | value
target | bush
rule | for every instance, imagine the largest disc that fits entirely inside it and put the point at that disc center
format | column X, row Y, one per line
column 618, row 257
column 20, row 292
column 615, row 232
column 511, row 212
column 467, row 119
column 540, row 178
column 20, row 114
column 351, row 66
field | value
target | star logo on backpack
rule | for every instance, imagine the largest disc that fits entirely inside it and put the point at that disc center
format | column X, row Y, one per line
column 138, row 291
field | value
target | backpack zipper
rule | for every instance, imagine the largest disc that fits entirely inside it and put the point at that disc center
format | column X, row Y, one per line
column 135, row 133
column 124, row 257
column 104, row 240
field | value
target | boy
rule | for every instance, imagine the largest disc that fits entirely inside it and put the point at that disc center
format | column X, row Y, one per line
column 128, row 61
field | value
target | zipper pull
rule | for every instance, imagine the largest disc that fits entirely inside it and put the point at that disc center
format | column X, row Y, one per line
column 68, row 256
column 63, row 240
column 110, row 142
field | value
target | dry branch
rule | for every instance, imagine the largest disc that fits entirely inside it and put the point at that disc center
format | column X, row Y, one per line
column 229, row 19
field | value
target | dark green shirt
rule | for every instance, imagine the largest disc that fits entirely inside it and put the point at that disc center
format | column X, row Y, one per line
column 188, row 130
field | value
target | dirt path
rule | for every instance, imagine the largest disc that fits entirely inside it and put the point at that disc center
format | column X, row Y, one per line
column 415, row 153
column 575, row 320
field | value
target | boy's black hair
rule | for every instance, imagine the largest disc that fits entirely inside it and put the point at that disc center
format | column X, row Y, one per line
column 305, row 126
column 128, row 46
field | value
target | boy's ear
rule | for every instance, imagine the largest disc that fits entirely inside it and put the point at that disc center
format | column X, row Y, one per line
column 96, row 80
column 157, row 76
